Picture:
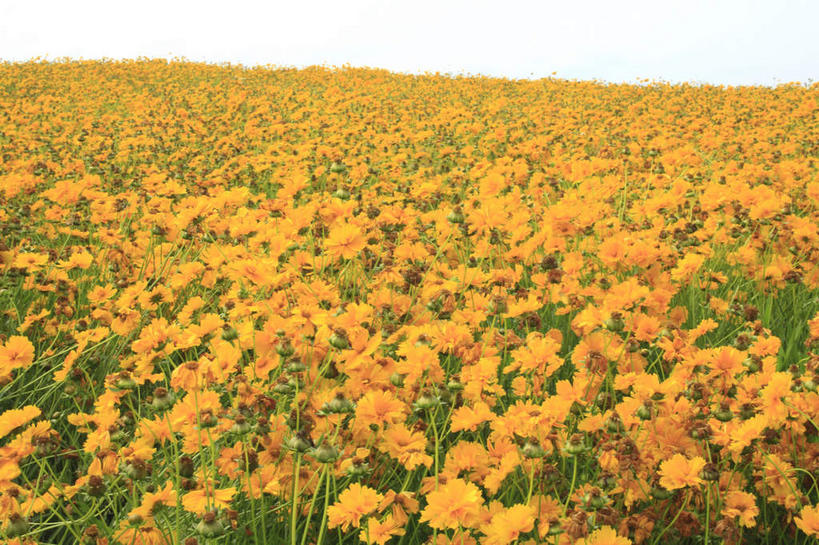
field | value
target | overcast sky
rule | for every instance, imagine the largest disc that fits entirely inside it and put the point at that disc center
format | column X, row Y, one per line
column 732, row 42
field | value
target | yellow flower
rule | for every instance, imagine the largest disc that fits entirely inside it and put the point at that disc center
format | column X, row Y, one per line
column 352, row 504
column 14, row 418
column 679, row 472
column 808, row 521
column 605, row 536
column 205, row 499
column 406, row 447
column 151, row 501
column 15, row 353
column 457, row 503
column 743, row 505
column 507, row 525
column 344, row 241
column 381, row 532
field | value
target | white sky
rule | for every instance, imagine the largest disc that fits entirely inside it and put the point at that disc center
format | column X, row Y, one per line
column 733, row 42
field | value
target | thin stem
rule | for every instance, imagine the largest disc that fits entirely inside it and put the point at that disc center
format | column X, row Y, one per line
column 323, row 523
column 571, row 487
column 670, row 524
column 435, row 433
column 312, row 504
column 293, row 511
column 707, row 511
column 531, row 484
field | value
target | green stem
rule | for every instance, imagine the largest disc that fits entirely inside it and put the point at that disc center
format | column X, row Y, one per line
column 571, row 487
column 312, row 504
column 685, row 503
column 531, row 484
column 435, row 433
column 707, row 511
column 326, row 506
column 294, row 509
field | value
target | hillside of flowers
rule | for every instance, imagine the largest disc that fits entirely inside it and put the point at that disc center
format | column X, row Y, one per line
column 340, row 306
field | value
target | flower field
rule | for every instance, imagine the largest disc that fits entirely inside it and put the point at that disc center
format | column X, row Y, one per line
column 329, row 306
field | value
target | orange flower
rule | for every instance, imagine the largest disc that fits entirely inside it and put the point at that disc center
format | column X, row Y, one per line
column 381, row 532
column 469, row 418
column 14, row 418
column 406, row 447
column 773, row 396
column 743, row 505
column 457, row 503
column 352, row 504
column 378, row 407
column 508, row 524
column 345, row 242
column 679, row 472
column 205, row 499
column 152, row 501
column 604, row 536
column 727, row 361
column 32, row 262
column 808, row 521
column 15, row 353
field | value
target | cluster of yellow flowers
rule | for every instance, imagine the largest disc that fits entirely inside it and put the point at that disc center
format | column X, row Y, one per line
column 346, row 305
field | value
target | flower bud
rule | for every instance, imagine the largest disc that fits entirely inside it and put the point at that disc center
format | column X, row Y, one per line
column 282, row 388
column 339, row 339
column 296, row 366
column 710, row 472
column 614, row 424
column 615, row 323
column 498, row 305
column 644, row 411
column 325, row 453
column 136, row 469
column 298, row 444
column 163, row 399
column 574, row 445
column 186, row 467
column 357, row 471
column 210, row 526
column 240, row 425
column 532, row 449
column 455, row 215
column 454, row 385
column 125, row 382
column 230, row 334
column 17, row 525
column 95, row 486
column 724, row 415
column 339, row 404
column 207, row 419
column 660, row 493
column 426, row 401
column 285, row 349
